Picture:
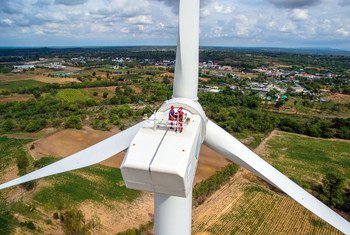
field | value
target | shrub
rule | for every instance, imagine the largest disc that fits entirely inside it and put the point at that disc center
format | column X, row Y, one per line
column 333, row 189
column 74, row 223
column 7, row 125
column 28, row 224
column 35, row 125
column 74, row 122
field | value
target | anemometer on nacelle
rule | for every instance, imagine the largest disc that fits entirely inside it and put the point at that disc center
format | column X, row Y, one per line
column 162, row 160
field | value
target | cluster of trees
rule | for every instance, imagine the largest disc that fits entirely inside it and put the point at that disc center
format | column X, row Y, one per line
column 5, row 69
column 37, row 114
column 334, row 193
column 240, row 119
column 228, row 98
column 118, row 116
column 317, row 127
column 205, row 188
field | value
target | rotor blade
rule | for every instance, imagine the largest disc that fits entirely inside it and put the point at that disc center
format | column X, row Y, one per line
column 187, row 53
column 221, row 141
column 87, row 157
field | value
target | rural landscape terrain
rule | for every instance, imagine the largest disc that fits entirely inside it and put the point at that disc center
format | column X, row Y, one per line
column 292, row 107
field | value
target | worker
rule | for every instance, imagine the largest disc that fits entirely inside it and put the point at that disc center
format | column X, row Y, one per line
column 172, row 116
column 180, row 119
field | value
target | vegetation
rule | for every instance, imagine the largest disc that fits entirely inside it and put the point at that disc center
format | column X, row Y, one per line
column 205, row 188
column 309, row 161
column 107, row 97
column 75, row 187
column 333, row 191
column 13, row 151
column 74, row 122
column 22, row 84
column 74, row 223
column 142, row 230
column 254, row 209
column 73, row 96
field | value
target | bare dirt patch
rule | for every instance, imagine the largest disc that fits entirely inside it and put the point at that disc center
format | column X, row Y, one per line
column 262, row 148
column 15, row 98
column 339, row 98
column 67, row 142
column 55, row 80
column 120, row 216
column 37, row 76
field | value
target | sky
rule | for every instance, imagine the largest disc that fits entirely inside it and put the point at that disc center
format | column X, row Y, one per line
column 232, row 23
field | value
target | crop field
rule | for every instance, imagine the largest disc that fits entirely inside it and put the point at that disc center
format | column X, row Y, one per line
column 254, row 209
column 74, row 95
column 12, row 85
column 306, row 160
column 246, row 206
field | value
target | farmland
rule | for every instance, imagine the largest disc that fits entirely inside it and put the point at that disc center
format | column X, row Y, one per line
column 246, row 206
column 73, row 95
column 47, row 114
column 306, row 160
column 13, row 85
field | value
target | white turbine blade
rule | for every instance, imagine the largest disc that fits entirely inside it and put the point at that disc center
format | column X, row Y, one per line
column 187, row 54
column 221, row 141
column 87, row 157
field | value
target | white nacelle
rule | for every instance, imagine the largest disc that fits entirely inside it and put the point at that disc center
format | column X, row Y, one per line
column 162, row 160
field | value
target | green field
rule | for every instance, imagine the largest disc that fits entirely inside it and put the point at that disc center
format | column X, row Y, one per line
column 99, row 183
column 74, row 95
column 12, row 85
column 10, row 151
column 306, row 160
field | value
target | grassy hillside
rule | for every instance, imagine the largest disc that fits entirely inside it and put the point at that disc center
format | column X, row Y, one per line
column 12, row 85
column 98, row 183
column 73, row 95
column 306, row 160
column 11, row 151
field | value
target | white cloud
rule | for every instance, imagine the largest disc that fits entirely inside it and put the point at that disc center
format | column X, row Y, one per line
column 223, row 9
column 243, row 25
column 288, row 27
column 140, row 20
column 223, row 22
column 343, row 32
column 299, row 14
column 7, row 22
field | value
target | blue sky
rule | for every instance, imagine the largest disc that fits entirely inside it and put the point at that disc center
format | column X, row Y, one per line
column 270, row 23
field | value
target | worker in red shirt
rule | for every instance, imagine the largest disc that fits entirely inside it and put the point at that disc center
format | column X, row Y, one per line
column 180, row 119
column 172, row 116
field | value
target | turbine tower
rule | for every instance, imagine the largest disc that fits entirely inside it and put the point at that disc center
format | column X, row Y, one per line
column 164, row 161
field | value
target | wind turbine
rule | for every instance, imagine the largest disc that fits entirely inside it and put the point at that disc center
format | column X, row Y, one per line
column 164, row 161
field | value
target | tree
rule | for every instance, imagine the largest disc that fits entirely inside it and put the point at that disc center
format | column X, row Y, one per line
column 94, row 74
column 105, row 94
column 74, row 122
column 95, row 93
column 333, row 189
column 36, row 94
column 74, row 223
column 7, row 125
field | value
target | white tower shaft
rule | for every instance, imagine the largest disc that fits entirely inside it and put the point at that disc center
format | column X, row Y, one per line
column 187, row 54
column 173, row 215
